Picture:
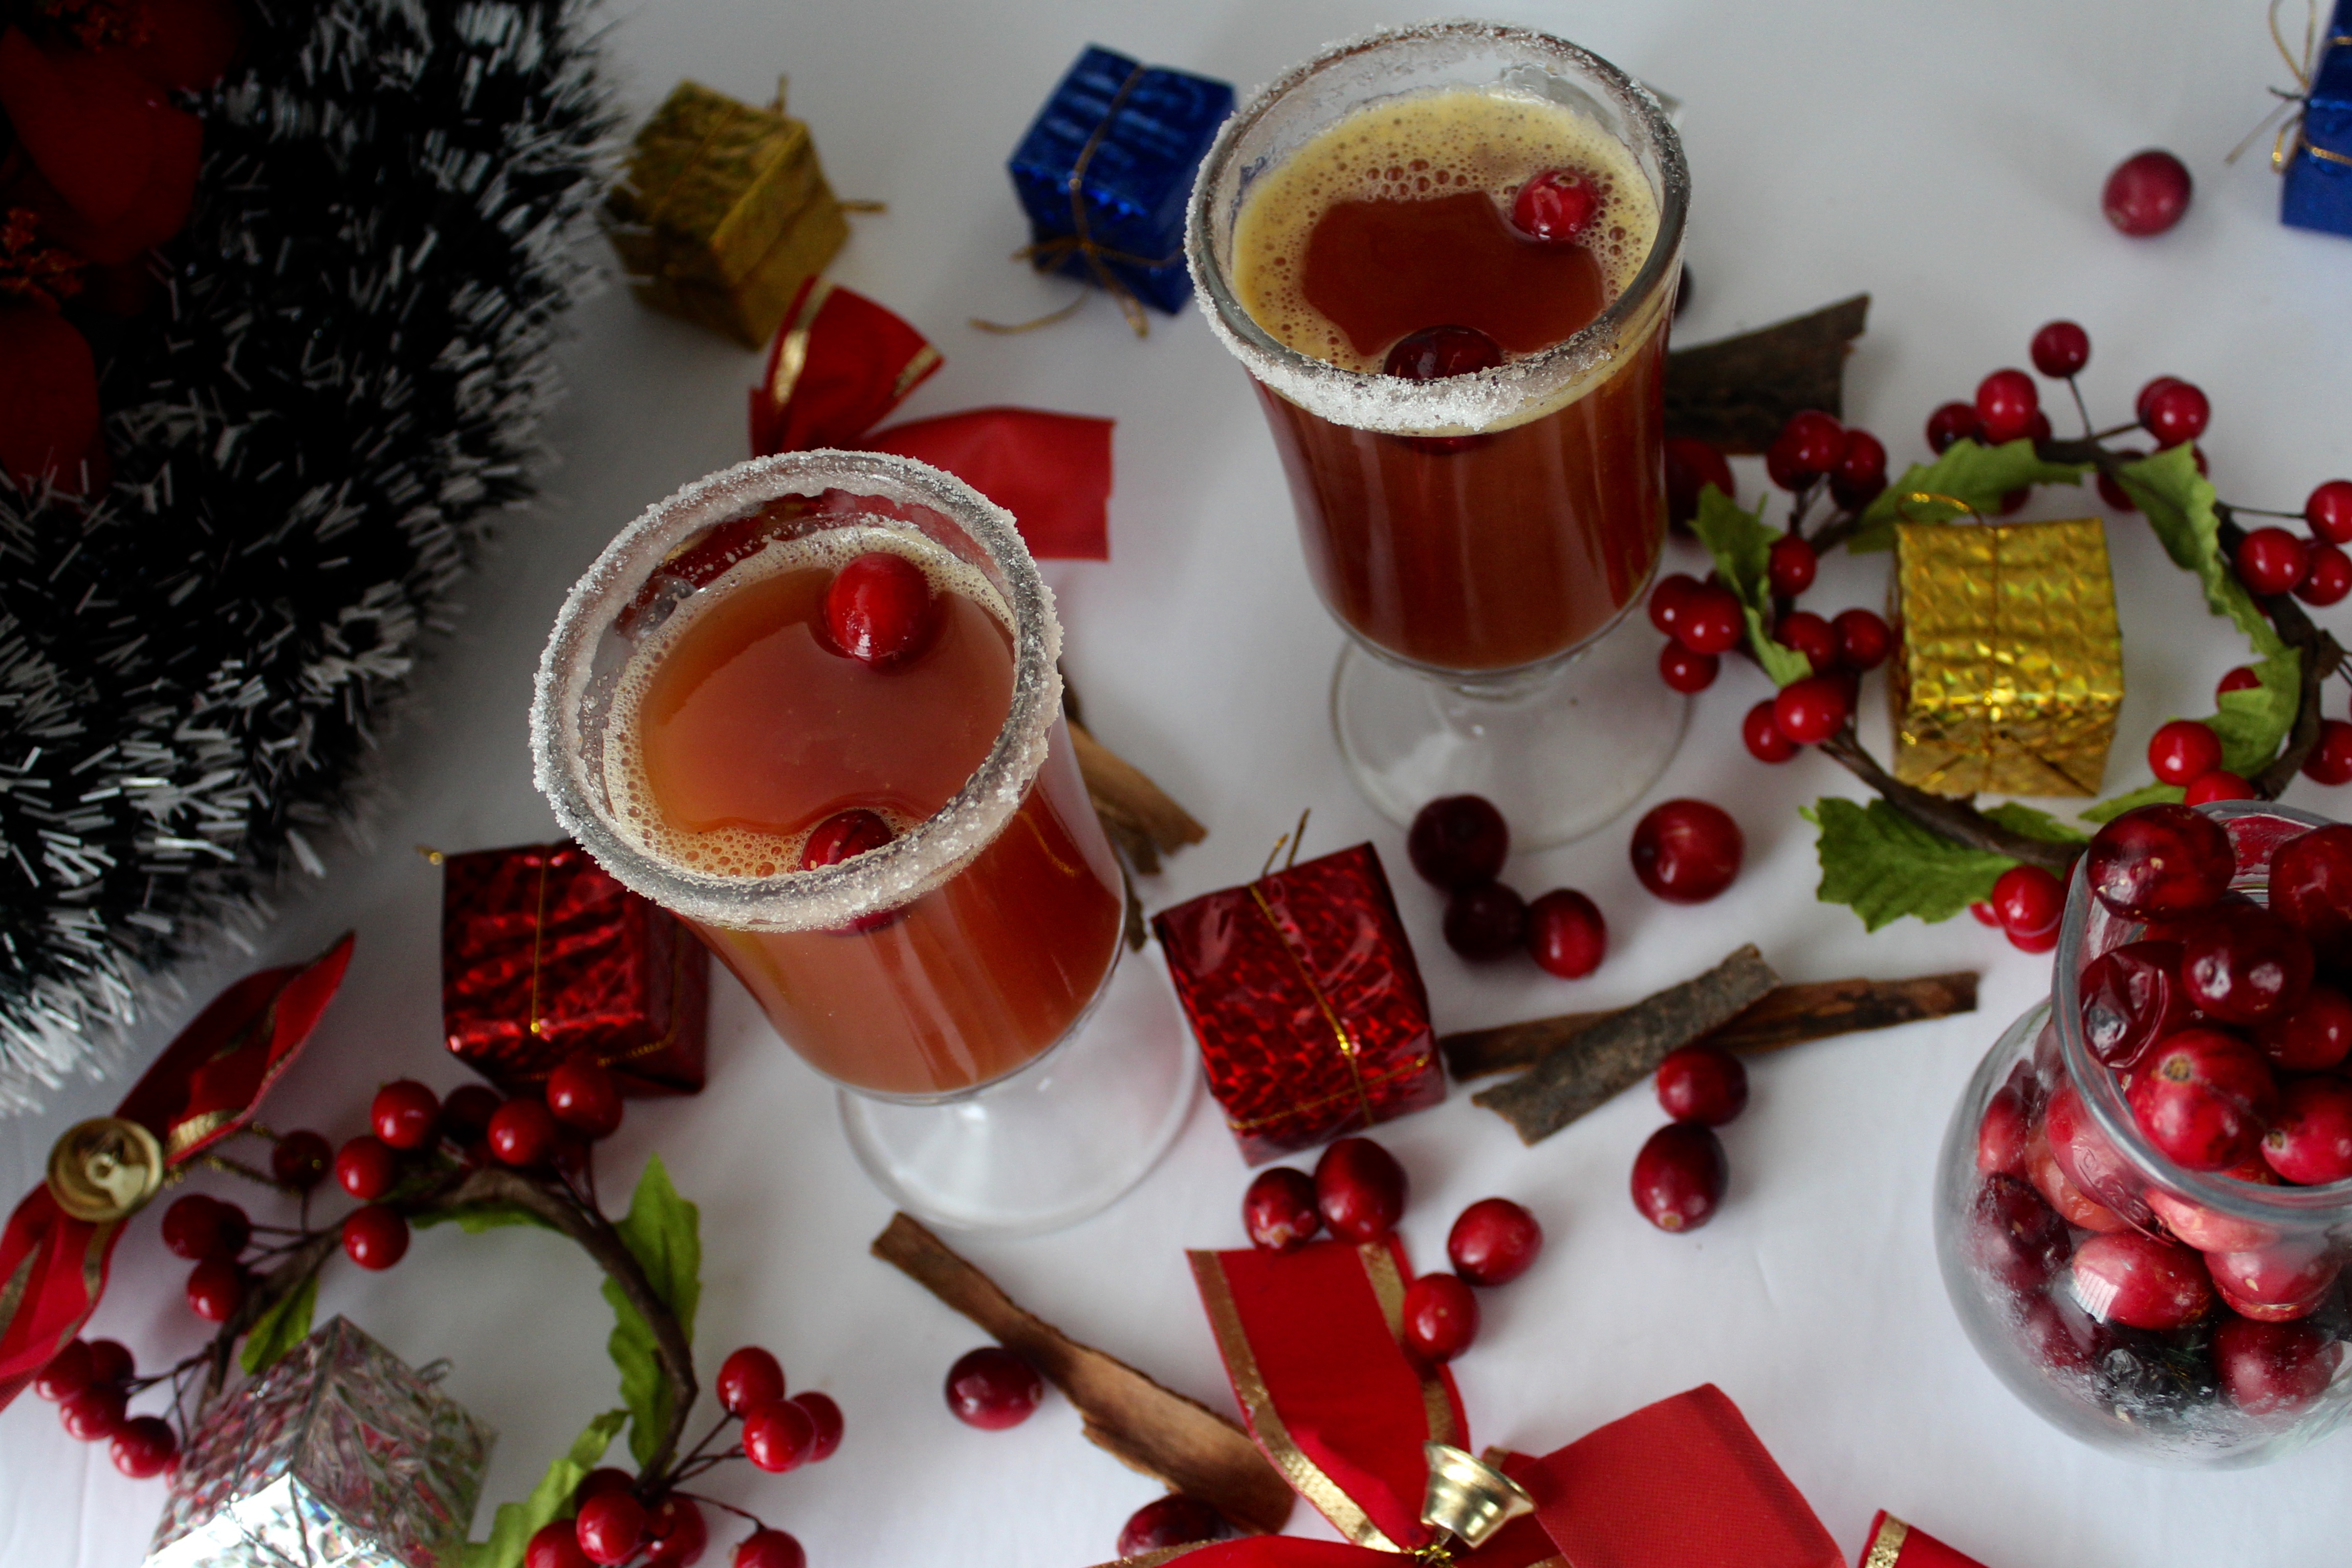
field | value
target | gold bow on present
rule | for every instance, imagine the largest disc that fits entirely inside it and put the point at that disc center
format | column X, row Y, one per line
column 2288, row 113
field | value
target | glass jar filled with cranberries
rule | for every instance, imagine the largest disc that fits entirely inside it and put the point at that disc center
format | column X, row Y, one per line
column 2144, row 1204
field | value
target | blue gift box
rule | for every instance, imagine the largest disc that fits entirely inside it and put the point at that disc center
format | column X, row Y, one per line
column 2319, row 186
column 1148, row 129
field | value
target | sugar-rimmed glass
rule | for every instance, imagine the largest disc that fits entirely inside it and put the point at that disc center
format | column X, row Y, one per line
column 1558, row 723
column 973, row 1138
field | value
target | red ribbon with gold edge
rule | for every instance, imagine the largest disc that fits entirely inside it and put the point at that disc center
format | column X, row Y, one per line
column 207, row 1084
column 1894, row 1544
column 841, row 362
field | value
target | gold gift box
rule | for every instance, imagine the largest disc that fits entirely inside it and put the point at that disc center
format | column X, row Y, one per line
column 2009, row 666
column 724, row 213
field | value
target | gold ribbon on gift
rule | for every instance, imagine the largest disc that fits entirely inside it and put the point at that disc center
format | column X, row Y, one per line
column 1886, row 1549
column 2290, row 138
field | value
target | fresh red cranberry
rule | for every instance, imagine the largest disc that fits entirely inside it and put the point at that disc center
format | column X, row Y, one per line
column 1790, row 565
column 1485, row 922
column 145, row 1447
column 1566, row 934
column 2147, row 193
column 765, row 1548
column 675, row 1534
column 109, row 1363
column 523, row 1134
column 2061, row 349
column 2277, row 1283
column 2028, row 900
column 197, row 1226
column 2013, row 1235
column 2201, row 1096
column 2002, row 1134
column 2056, row 1335
column 1441, row 1317
column 1685, row 671
column 1953, row 422
column 555, row 1544
column 584, row 1096
column 2271, row 560
column 301, row 1160
column 374, row 1237
column 1493, row 1242
column 2075, row 1206
column 2209, row 1230
column 2311, row 889
column 2315, row 1036
column 2272, row 1369
column 1863, row 640
column 1711, row 620
column 1686, row 851
column 610, row 1528
column 404, row 1113
column 843, row 835
column 1809, row 634
column 749, row 1376
column 1692, row 465
column 2330, row 759
column 2245, row 966
column 2090, row 1164
column 2182, row 750
column 1556, row 206
column 824, row 1420
column 1170, row 1522
column 2328, row 510
column 215, row 1290
column 366, row 1167
column 2132, row 996
column 1668, row 598
column 779, row 1436
column 2175, row 411
column 64, row 1374
column 879, row 610
column 465, row 1114
column 94, row 1415
column 1705, row 1084
column 1810, row 710
column 2326, row 576
column 2141, row 1282
column 2159, row 861
column 1434, row 353
column 991, row 1388
column 1762, row 737
column 2218, row 785
column 1679, row 1177
column 2006, row 401
column 1278, row 1209
column 1361, row 1189
column 1861, row 471
column 1458, row 841
column 2310, row 1139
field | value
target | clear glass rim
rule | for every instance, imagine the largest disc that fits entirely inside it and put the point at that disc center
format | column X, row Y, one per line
column 1523, row 389
column 2096, row 1081
column 831, row 896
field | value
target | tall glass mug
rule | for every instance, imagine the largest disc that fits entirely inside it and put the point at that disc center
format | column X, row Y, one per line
column 896, row 856
column 1471, row 417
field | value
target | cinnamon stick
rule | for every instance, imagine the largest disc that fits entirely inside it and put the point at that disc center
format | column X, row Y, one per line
column 1140, row 815
column 1785, row 1015
column 1737, row 392
column 1153, row 1430
column 1625, row 1047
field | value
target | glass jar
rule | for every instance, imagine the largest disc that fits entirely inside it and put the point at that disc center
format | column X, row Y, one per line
column 2057, row 1219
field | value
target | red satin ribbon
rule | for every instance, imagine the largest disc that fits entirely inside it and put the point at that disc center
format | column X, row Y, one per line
column 208, row 1083
column 841, row 362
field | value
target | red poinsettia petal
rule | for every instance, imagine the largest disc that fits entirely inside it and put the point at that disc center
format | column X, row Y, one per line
column 83, row 119
column 48, row 395
column 190, row 43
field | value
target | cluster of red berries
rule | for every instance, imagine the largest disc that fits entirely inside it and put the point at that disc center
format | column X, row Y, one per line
column 2227, row 1042
column 1459, row 843
column 91, row 1383
column 1681, row 1172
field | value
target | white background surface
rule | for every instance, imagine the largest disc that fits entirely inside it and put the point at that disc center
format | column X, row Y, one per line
column 1947, row 159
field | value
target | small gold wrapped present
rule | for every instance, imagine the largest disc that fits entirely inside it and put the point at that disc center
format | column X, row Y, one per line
column 2008, row 667
column 724, row 213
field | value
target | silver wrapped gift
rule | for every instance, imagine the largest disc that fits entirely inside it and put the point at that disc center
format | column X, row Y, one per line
column 339, row 1456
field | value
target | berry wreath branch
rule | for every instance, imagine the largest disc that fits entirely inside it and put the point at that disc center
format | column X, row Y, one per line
column 1913, row 852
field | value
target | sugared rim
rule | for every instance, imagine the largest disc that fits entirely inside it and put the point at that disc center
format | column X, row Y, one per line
column 2237, row 1200
column 1485, row 400
column 832, row 895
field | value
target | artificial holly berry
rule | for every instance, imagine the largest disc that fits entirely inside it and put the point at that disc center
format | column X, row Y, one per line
column 376, row 1237
column 196, row 1226
column 555, row 1544
column 1441, row 1317
column 675, row 1534
column 2006, row 401
column 1434, row 353
column 1809, row 634
column 523, row 1134
column 2111, row 489
column 749, row 1375
column 2183, row 750
column 404, row 1113
column 64, row 1374
column 366, row 1167
column 990, row 1388
column 765, row 1548
column 1953, row 422
column 1278, row 1209
column 301, row 1160
column 2147, row 193
column 1361, row 1189
column 1762, row 737
column 215, row 1290
column 1556, row 206
column 824, row 1420
column 1790, row 565
column 1566, row 934
column 2326, row 576
column 1712, row 620
column 1679, row 1177
column 2329, row 760
column 2218, row 785
column 1686, row 671
column 610, row 1528
column 1686, row 851
column 144, row 1447
column 1169, row 1522
column 1810, row 710
column 1808, row 447
column 879, row 610
column 1494, row 1241
column 1485, row 922
column 2241, row 678
column 2328, row 510
column 601, row 1479
column 1668, row 599
column 1705, row 1084
column 2061, row 349
column 1458, row 841
column 2174, row 410
column 111, row 1365
column 779, row 1436
column 1861, row 471
column 465, row 1114
column 1863, row 640
column 2271, row 560
column 94, row 1415
column 583, row 1095
column 1692, row 465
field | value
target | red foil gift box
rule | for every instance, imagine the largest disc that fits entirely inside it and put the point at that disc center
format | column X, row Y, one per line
column 544, row 957
column 1302, row 990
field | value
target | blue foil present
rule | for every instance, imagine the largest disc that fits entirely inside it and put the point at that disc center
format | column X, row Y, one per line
column 2318, row 160
column 1140, row 134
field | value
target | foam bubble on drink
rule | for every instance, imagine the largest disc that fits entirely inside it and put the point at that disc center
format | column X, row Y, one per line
column 735, row 851
column 1422, row 147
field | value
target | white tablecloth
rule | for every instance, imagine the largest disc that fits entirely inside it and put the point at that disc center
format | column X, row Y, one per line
column 1948, row 160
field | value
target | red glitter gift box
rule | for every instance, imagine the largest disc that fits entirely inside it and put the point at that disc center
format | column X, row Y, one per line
column 1303, row 991
column 544, row 957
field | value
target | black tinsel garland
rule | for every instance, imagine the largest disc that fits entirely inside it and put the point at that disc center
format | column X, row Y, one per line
column 341, row 380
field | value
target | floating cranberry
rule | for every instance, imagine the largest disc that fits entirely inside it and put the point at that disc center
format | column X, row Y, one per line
column 1762, row 736
column 2311, row 889
column 404, row 1113
column 2330, row 758
column 555, row 1544
column 2328, row 510
column 215, row 1290
column 879, row 610
column 2202, row 1097
column 2271, row 560
column 2326, row 576
column 1679, row 1177
column 675, row 1534
column 1169, row 1522
column 2061, row 349
column 2315, row 1036
column 2131, row 996
column 2175, row 411
column 2028, row 901
column 1458, row 841
column 2182, row 750
column 2147, row 193
column 2158, row 861
column 1278, row 1209
column 1556, row 205
column 1790, row 565
column 366, row 1167
column 144, row 1447
column 1711, row 620
column 2003, row 1132
column 1668, row 598
column 94, row 1415
column 2006, row 401
column 197, row 1226
column 374, row 1237
column 1865, row 639
column 64, row 1374
column 1692, row 465
column 824, row 1420
column 779, row 1436
column 1810, row 710
column 2310, row 1139
column 1485, row 922
column 523, row 1134
column 2013, row 1235
column 1810, row 636
column 1566, row 934
column 1441, row 1317
column 1685, row 671
column 765, row 1548
column 583, row 1095
column 2272, row 1369
column 2275, row 1284
column 1493, row 1242
column 749, row 1375
column 1953, row 422
column 1861, row 471
column 990, row 1388
column 611, row 1527
column 1361, row 1189
column 1436, row 353
column 1686, row 851
column 2141, row 1282
column 2247, row 966
column 1705, row 1084
column 2218, row 785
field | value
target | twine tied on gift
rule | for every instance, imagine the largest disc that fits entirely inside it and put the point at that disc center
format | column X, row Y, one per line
column 1080, row 241
column 2287, row 114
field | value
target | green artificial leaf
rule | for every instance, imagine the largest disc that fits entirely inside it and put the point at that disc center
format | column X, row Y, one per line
column 662, row 1233
column 1884, row 866
column 1968, row 473
column 475, row 1218
column 2146, row 794
column 283, row 1325
column 2025, row 819
column 2253, row 723
column 515, row 1523
column 1742, row 547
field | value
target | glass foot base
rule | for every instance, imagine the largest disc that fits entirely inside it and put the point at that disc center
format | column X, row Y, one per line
column 1057, row 1141
column 1559, row 751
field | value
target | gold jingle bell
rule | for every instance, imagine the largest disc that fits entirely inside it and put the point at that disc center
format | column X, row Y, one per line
column 1468, row 1498
column 105, row 1169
